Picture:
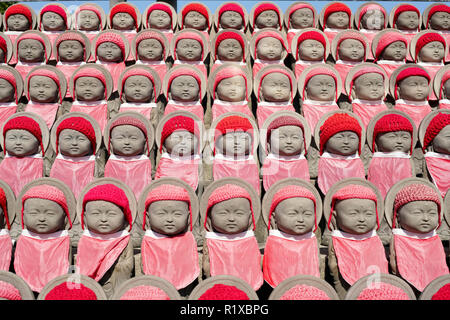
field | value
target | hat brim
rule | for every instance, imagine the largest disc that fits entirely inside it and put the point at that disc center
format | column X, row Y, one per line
column 425, row 14
column 210, row 16
column 392, row 14
column 322, row 14
column 102, row 69
column 286, row 15
column 252, row 13
column 71, row 278
column 18, row 78
column 166, row 44
column 138, row 15
column 213, row 41
column 364, row 65
column 307, row 280
column 231, row 66
column 43, row 36
column 274, row 67
column 33, row 17
column 10, row 201
column 344, row 33
column 9, row 47
column 227, row 280
column 122, row 36
column 413, row 43
column 378, row 36
column 165, row 84
column 103, row 17
column 434, row 286
column 294, row 43
column 205, row 42
column 68, row 15
column 150, row 281
column 61, row 78
column 87, row 43
column 24, row 289
column 447, row 207
column 282, row 34
column 216, row 14
column 157, row 81
column 301, row 80
column 174, row 16
column 437, row 82
column 426, row 122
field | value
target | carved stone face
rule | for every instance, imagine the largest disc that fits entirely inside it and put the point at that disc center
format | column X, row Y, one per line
column 407, row 20
column 302, row 18
column 88, row 21
column 18, row 22
column 195, row 20
column 70, row 51
column 369, row 86
column 351, row 50
column 31, row 51
column 276, row 87
column 418, row 216
column 73, row 143
column 440, row 21
column 231, row 89
column 159, row 19
column 234, row 144
column 295, row 216
column 89, row 89
column 184, row 88
column 413, row 88
column 267, row 19
column 230, row 50
column 338, row 20
column 168, row 217
column 231, row 20
column 432, row 52
column 127, row 141
column 269, row 48
column 396, row 51
column 7, row 91
column 43, row 216
column 344, row 143
column 446, row 89
column 181, row 143
column 311, row 50
column 52, row 21
column 123, row 21
column 138, row 89
column 104, row 217
column 231, row 216
column 372, row 20
column 21, row 143
column 355, row 216
column 109, row 52
column 189, row 50
column 393, row 141
column 441, row 143
column 321, row 88
column 43, row 89
column 287, row 141
column 150, row 50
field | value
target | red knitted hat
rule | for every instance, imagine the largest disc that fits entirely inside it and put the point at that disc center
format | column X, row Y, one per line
column 189, row 35
column 292, row 192
column 9, row 76
column 32, row 36
column 88, row 7
column 4, row 48
column 227, row 192
column 167, row 192
column 223, row 292
column 4, row 207
column 353, row 191
column 110, row 193
column 265, row 7
column 390, row 123
column 150, row 34
column 337, row 7
column 24, row 123
column 427, row 38
column 336, row 123
column 282, row 71
column 383, row 291
column 409, row 72
column 443, row 293
column 302, row 6
column 233, row 123
column 19, row 9
column 415, row 192
column 70, row 36
column 71, row 291
column 145, row 293
column 269, row 33
column 158, row 6
column 9, row 292
column 90, row 72
column 304, row 292
column 49, row 74
column 228, row 73
column 185, row 72
column 312, row 35
column 369, row 69
column 321, row 71
column 355, row 35
column 200, row 8
column 439, row 122
column 178, row 123
column 110, row 37
column 387, row 39
column 434, row 9
column 230, row 35
column 231, row 7
column 403, row 8
column 138, row 72
column 125, row 8
column 285, row 121
column 55, row 9
column 375, row 7
column 129, row 120
column 47, row 192
column 81, row 125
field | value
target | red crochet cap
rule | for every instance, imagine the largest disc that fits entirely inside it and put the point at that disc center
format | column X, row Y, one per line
column 265, row 7
column 189, row 35
column 425, row 39
column 285, row 121
column 47, row 192
column 55, row 9
column 415, row 192
column 292, row 192
column 231, row 7
column 32, row 36
column 337, row 7
column 434, row 9
column 409, row 72
column 228, row 73
column 125, row 8
column 110, row 193
column 443, row 293
column 355, row 35
column 223, row 292
column 4, row 207
column 185, row 72
column 230, row 35
column 128, row 120
column 88, row 7
column 383, row 291
column 178, row 123
column 312, row 35
column 79, row 124
column 353, row 191
column 150, row 34
column 387, row 39
column 299, row 6
column 390, row 123
column 439, row 122
column 321, row 71
column 9, row 76
column 304, row 292
column 9, row 292
column 70, row 36
column 282, row 71
column 71, row 291
column 403, row 8
column 145, row 293
column 159, row 6
column 200, row 8
column 227, row 192
column 364, row 71
column 4, row 48
column 233, row 123
column 167, row 192
column 138, row 72
column 269, row 33
column 110, row 37
column 90, row 72
column 45, row 73
column 24, row 123
column 336, row 123
column 375, row 7
column 19, row 9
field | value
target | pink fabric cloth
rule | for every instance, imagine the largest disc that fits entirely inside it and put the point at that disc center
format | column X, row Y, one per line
column 200, row 66
column 444, row 104
column 97, row 110
column 161, row 69
column 388, row 67
column 219, row 108
column 438, row 166
column 244, row 169
column 172, row 258
column 46, row 111
column 343, row 69
column 265, row 109
column 17, row 172
column 115, row 69
column 366, row 111
column 416, row 112
column 370, row 35
column 130, row 36
column 68, row 69
column 6, row 111
column 184, row 169
column 13, row 35
column 145, row 110
column 5, row 252
column 52, row 37
column 313, row 112
column 24, row 69
column 331, row 33
column 196, row 109
column 258, row 65
column 275, row 169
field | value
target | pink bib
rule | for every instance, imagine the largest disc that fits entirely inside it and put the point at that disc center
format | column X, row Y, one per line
column 286, row 256
column 389, row 66
column 259, row 64
column 168, row 34
column 198, row 65
column 143, row 108
column 301, row 65
column 314, row 110
column 331, row 33
column 265, row 109
column 370, row 35
column 290, row 35
column 409, row 36
column 246, row 169
column 41, row 258
column 237, row 255
column 193, row 107
column 220, row 107
column 115, row 69
column 366, row 110
column 96, row 109
column 420, row 258
column 13, row 35
column 129, row 34
column 47, row 111
column 416, row 110
column 17, row 172
column 25, row 68
column 172, row 258
column 444, row 104
column 52, row 35
column 446, row 35
column 278, row 168
column 159, row 66
column 343, row 68
column 5, row 250
column 359, row 255
column 438, row 166
column 186, row 169
column 68, row 68
column 6, row 111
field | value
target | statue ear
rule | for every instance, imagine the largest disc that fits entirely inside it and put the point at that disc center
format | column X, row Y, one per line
column 209, row 223
column 273, row 221
column 250, row 222
column 353, row 92
column 261, row 95
column 111, row 148
column 333, row 220
column 147, row 220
